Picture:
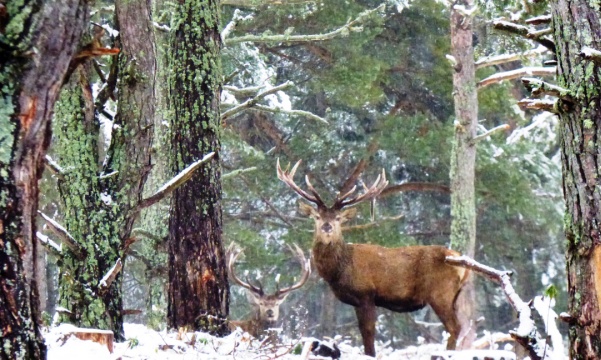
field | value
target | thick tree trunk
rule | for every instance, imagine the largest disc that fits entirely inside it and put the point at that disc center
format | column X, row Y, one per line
column 198, row 285
column 577, row 24
column 99, row 210
column 30, row 84
column 463, row 156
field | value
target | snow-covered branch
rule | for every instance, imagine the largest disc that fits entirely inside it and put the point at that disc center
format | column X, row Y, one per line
column 526, row 334
column 505, row 58
column 543, row 19
column 536, row 104
column 253, row 101
column 50, row 245
column 248, row 91
column 109, row 277
column 529, row 33
column 591, row 54
column 306, row 114
column 517, row 73
column 174, row 183
column 227, row 30
column 288, row 38
column 63, row 234
column 538, row 87
column 53, row 166
column 488, row 133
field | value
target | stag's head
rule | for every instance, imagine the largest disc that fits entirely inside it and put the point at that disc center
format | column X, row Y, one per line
column 329, row 219
column 267, row 306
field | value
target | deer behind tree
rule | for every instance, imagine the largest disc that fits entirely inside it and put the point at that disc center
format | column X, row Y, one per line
column 400, row 279
column 265, row 307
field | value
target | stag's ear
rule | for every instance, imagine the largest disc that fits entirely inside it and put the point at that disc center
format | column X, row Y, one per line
column 306, row 209
column 348, row 214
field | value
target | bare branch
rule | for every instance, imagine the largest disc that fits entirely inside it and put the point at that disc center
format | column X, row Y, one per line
column 517, row 73
column 543, row 19
column 306, row 114
column 591, row 54
column 252, row 102
column 109, row 277
column 505, row 58
column 141, row 232
column 535, row 104
column 50, row 245
column 63, row 234
column 248, row 91
column 287, row 38
column 524, row 31
column 53, row 166
column 414, row 186
column 174, row 183
column 526, row 333
column 237, row 172
column 488, row 133
column 538, row 87
column 257, row 3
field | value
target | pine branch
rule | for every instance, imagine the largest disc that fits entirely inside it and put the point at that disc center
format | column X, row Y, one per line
column 50, row 245
column 173, row 184
column 109, row 277
column 535, row 104
column 64, row 235
column 526, row 334
column 524, row 31
column 287, row 38
column 591, row 54
column 517, row 73
column 488, row 133
column 252, row 102
column 538, row 87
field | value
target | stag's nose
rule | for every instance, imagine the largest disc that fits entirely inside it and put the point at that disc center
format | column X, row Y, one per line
column 326, row 227
column 269, row 313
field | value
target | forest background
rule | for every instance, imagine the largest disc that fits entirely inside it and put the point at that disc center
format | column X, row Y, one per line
column 376, row 94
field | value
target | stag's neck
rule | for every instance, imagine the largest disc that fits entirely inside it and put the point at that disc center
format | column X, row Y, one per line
column 331, row 259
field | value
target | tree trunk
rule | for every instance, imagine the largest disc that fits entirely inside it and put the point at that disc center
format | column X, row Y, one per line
column 577, row 24
column 198, row 286
column 463, row 156
column 30, row 84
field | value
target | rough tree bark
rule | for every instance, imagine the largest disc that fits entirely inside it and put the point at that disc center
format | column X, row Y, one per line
column 463, row 154
column 576, row 27
column 30, row 84
column 101, row 197
column 198, row 286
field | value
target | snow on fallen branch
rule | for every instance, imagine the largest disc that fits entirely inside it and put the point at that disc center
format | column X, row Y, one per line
column 109, row 277
column 287, row 38
column 526, row 334
column 63, row 234
column 174, row 183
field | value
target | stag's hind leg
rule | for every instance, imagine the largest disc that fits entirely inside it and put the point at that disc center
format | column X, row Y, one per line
column 447, row 314
column 366, row 315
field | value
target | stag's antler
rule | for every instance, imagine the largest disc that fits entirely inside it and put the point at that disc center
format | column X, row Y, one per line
column 370, row 193
column 306, row 268
column 235, row 253
column 287, row 177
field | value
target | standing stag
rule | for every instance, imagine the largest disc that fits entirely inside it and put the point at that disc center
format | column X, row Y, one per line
column 266, row 307
column 400, row 279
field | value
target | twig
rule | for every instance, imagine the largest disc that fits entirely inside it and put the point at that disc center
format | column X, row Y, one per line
column 252, row 102
column 488, row 133
column 109, row 277
column 286, row 38
column 517, row 73
column 526, row 334
column 591, row 54
column 174, row 183
column 63, row 234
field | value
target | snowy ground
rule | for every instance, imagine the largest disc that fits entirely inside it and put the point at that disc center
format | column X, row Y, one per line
column 144, row 343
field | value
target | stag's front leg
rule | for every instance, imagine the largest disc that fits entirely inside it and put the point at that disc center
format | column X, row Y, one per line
column 366, row 314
